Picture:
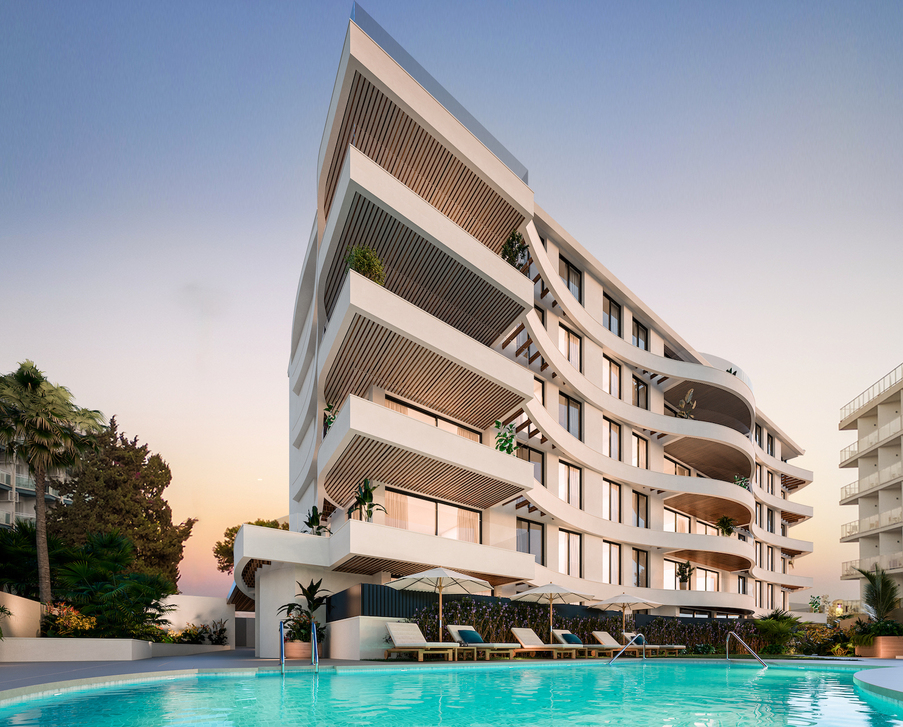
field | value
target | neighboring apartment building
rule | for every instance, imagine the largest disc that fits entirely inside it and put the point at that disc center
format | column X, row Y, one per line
column 612, row 486
column 17, row 494
column 875, row 416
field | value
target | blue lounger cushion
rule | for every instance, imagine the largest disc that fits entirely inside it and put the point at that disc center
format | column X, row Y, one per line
column 470, row 637
column 572, row 639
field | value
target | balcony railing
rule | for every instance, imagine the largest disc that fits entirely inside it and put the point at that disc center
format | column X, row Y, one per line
column 24, row 482
column 25, row 517
column 6, row 479
column 874, row 480
column 889, row 561
column 6, row 518
column 872, row 522
column 874, row 391
column 893, row 427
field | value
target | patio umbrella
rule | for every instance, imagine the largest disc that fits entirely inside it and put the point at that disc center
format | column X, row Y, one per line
column 624, row 602
column 551, row 593
column 439, row 580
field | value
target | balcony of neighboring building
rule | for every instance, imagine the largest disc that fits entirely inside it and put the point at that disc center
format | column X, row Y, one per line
column 863, row 404
column 871, row 525
column 428, row 260
column 885, row 477
column 379, row 108
column 871, row 441
column 890, row 562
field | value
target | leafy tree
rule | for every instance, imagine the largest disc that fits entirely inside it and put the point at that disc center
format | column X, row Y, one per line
column 40, row 425
column 223, row 549
column 120, row 487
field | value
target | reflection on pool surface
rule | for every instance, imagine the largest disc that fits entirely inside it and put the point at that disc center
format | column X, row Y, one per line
column 661, row 694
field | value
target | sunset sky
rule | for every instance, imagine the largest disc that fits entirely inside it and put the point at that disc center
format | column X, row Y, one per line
column 738, row 166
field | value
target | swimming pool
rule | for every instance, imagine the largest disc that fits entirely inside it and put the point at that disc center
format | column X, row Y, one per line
column 635, row 693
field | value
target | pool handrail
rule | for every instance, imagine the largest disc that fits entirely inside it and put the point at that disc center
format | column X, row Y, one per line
column 635, row 637
column 282, row 645
column 727, row 650
column 314, row 649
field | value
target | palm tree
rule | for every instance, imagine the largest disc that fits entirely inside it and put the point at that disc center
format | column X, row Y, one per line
column 881, row 594
column 40, row 425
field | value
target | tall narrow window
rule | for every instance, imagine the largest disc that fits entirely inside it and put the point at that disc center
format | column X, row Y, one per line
column 759, row 514
column 569, row 345
column 769, row 520
column 536, row 458
column 569, row 484
column 706, row 580
column 676, row 522
column 569, row 553
column 770, row 603
column 539, row 390
column 611, row 315
column 758, row 594
column 571, row 276
column 611, row 439
column 741, row 585
column 770, row 553
column 640, row 452
column 611, row 377
column 611, row 501
column 670, row 582
column 640, row 393
column 640, row 510
column 530, row 538
column 770, row 479
column 611, row 563
column 758, row 554
column 569, row 414
column 640, row 336
column 759, row 435
column 759, row 475
column 770, row 448
column 640, row 563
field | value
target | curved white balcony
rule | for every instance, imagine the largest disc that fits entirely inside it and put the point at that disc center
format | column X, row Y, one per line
column 776, row 540
column 791, row 511
column 789, row 580
column 798, row 475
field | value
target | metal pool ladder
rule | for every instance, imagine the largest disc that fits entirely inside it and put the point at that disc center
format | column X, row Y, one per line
column 636, row 636
column 314, row 650
column 727, row 650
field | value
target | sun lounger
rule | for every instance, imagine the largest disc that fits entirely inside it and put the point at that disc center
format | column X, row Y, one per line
column 530, row 643
column 563, row 636
column 479, row 647
column 656, row 648
column 407, row 638
column 607, row 640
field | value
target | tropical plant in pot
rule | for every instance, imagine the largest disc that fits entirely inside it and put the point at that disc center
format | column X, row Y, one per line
column 363, row 501
column 300, row 620
column 726, row 525
column 684, row 572
column 314, row 522
column 881, row 637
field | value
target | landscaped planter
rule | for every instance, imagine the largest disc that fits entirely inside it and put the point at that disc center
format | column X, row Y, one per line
column 297, row 650
column 885, row 647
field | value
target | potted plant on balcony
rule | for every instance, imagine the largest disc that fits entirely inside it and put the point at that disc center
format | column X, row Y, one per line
column 505, row 438
column 363, row 502
column 301, row 621
column 726, row 525
column 686, row 406
column 314, row 522
column 684, row 571
column 880, row 638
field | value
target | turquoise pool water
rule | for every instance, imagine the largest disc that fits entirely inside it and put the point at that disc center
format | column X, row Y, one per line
column 710, row 695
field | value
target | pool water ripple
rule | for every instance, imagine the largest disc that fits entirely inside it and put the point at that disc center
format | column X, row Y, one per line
column 659, row 694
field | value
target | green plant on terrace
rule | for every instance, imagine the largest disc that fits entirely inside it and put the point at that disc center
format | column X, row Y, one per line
column 515, row 250
column 365, row 261
column 363, row 501
column 505, row 438
column 881, row 594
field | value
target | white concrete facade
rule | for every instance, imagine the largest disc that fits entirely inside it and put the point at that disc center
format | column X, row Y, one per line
column 17, row 492
column 611, row 486
column 876, row 457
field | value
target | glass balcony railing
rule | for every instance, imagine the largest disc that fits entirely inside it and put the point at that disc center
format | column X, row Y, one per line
column 6, row 479
column 873, row 392
column 872, row 522
column 24, row 482
column 876, row 479
column 889, row 561
column 25, row 517
column 893, row 427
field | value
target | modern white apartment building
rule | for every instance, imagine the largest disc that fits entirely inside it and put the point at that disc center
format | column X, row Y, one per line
column 616, row 481
column 875, row 456
column 17, row 492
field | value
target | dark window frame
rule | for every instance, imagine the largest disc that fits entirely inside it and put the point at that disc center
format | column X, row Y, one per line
column 571, row 268
column 606, row 298
column 579, row 407
column 542, row 536
column 645, row 339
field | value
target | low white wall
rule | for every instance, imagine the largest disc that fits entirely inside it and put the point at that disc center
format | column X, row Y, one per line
column 199, row 610
column 184, row 649
column 359, row 637
column 30, row 649
column 26, row 618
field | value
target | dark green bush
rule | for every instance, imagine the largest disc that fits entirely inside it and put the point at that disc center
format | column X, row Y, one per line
column 365, row 261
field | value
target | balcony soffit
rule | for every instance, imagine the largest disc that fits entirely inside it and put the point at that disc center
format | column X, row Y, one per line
column 371, row 566
column 422, row 274
column 709, row 508
column 373, row 355
column 708, row 559
column 713, row 405
column 718, row 461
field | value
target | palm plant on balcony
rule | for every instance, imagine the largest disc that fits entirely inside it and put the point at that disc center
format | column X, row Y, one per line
column 726, row 525
column 363, row 502
column 741, row 481
column 314, row 522
column 329, row 414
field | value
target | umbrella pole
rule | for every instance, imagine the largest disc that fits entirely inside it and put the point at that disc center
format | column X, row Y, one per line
column 623, row 621
column 440, row 610
column 550, row 618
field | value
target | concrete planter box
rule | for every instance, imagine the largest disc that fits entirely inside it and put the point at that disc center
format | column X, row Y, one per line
column 885, row 647
column 46, row 649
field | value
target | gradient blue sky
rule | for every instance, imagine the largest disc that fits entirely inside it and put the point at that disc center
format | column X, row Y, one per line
column 739, row 166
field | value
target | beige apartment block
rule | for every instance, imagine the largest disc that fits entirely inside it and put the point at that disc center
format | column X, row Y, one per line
column 875, row 458
column 611, row 487
column 17, row 492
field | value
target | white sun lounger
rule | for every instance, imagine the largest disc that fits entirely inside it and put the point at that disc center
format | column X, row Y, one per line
column 407, row 638
column 587, row 649
column 487, row 649
column 656, row 648
column 530, row 643
column 607, row 640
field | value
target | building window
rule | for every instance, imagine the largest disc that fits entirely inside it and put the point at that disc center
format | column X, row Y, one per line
column 770, row 448
column 769, row 520
column 611, row 315
column 569, row 553
column 611, row 501
column 769, row 478
column 670, row 582
column 673, row 467
column 431, row 517
column 640, row 336
column 569, row 414
column 758, row 594
column 640, row 561
column 758, row 554
column 536, row 458
column 676, row 522
column 571, row 276
column 770, row 601
column 758, row 514
column 611, row 439
column 640, row 393
column 569, row 345
column 640, row 452
column 611, row 377
column 569, row 484
column 784, row 529
column 611, row 563
column 539, row 390
column 640, row 510
column 530, row 538
column 759, row 436
column 706, row 580
column 759, row 475
column 422, row 415
column 770, row 558
column 741, row 585
column 704, row 528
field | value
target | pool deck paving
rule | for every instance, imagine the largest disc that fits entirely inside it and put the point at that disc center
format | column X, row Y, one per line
column 22, row 679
